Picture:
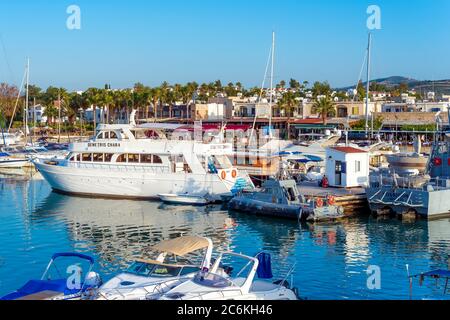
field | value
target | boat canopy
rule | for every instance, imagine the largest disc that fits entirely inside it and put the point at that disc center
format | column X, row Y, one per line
column 4, row 154
column 76, row 255
column 183, row 245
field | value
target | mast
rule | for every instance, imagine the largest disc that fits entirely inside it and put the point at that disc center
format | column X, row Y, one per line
column 26, row 101
column 59, row 116
column 271, row 85
column 368, row 82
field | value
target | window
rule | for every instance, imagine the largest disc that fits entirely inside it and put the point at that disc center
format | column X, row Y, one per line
column 189, row 270
column 122, row 158
column 133, row 158
column 98, row 157
column 86, row 157
column 146, row 158
column 112, row 135
column 358, row 166
column 157, row 160
column 108, row 157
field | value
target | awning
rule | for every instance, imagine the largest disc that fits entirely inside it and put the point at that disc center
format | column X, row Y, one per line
column 183, row 245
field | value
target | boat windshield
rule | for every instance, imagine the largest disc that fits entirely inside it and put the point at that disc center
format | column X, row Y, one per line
column 155, row 270
column 212, row 280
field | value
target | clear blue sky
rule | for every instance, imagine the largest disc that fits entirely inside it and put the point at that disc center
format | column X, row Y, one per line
column 123, row 42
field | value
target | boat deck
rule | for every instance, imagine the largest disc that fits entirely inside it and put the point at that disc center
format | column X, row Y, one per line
column 353, row 200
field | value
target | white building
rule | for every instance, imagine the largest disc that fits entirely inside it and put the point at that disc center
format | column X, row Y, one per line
column 36, row 114
column 89, row 114
column 347, row 167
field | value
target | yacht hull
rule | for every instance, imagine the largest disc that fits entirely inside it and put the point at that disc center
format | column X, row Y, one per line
column 130, row 185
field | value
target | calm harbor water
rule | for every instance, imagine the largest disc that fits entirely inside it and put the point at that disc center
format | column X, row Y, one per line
column 330, row 259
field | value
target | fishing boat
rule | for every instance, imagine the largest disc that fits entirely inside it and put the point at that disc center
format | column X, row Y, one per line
column 149, row 279
column 211, row 285
column 282, row 199
column 58, row 287
column 123, row 162
column 184, row 199
column 9, row 162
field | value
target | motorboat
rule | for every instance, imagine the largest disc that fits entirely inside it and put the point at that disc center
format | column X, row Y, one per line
column 122, row 162
column 56, row 286
column 9, row 162
column 281, row 198
column 176, row 261
column 184, row 199
column 210, row 285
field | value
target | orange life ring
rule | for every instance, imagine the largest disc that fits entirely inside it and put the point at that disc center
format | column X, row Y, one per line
column 331, row 200
column 223, row 175
column 234, row 174
column 319, row 202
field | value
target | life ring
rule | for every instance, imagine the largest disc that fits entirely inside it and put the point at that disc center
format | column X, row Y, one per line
column 319, row 202
column 331, row 200
column 234, row 174
column 223, row 175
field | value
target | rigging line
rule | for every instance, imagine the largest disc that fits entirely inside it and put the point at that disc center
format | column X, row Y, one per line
column 261, row 92
column 17, row 101
column 360, row 74
column 8, row 65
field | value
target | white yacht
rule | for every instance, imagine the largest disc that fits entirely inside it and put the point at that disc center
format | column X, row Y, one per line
column 149, row 279
column 125, row 161
column 213, row 286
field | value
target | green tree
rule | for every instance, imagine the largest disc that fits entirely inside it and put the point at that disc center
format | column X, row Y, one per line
column 325, row 107
column 288, row 103
column 321, row 89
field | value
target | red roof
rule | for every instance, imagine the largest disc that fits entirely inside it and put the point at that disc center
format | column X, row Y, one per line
column 348, row 150
column 309, row 121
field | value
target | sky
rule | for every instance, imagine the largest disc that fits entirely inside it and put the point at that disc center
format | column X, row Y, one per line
column 150, row 41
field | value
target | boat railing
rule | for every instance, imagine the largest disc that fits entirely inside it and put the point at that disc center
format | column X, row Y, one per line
column 158, row 290
column 157, row 169
column 420, row 183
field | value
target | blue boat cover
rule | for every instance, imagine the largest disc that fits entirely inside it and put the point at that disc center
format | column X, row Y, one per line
column 76, row 255
column 36, row 286
column 264, row 270
column 437, row 274
column 4, row 154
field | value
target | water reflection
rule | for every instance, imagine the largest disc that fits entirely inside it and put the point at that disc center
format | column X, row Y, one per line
column 331, row 259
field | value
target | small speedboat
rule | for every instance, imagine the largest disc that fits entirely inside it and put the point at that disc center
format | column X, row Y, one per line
column 9, row 162
column 59, row 287
column 176, row 261
column 209, row 285
column 184, row 199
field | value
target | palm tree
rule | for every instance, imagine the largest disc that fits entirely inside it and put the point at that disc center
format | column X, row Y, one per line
column 288, row 102
column 324, row 107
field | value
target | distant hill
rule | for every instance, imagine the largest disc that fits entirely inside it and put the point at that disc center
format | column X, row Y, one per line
column 438, row 86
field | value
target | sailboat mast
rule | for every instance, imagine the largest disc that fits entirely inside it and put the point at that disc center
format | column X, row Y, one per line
column 27, row 100
column 271, row 84
column 368, row 81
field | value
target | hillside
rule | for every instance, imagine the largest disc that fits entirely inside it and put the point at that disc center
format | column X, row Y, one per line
column 439, row 86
